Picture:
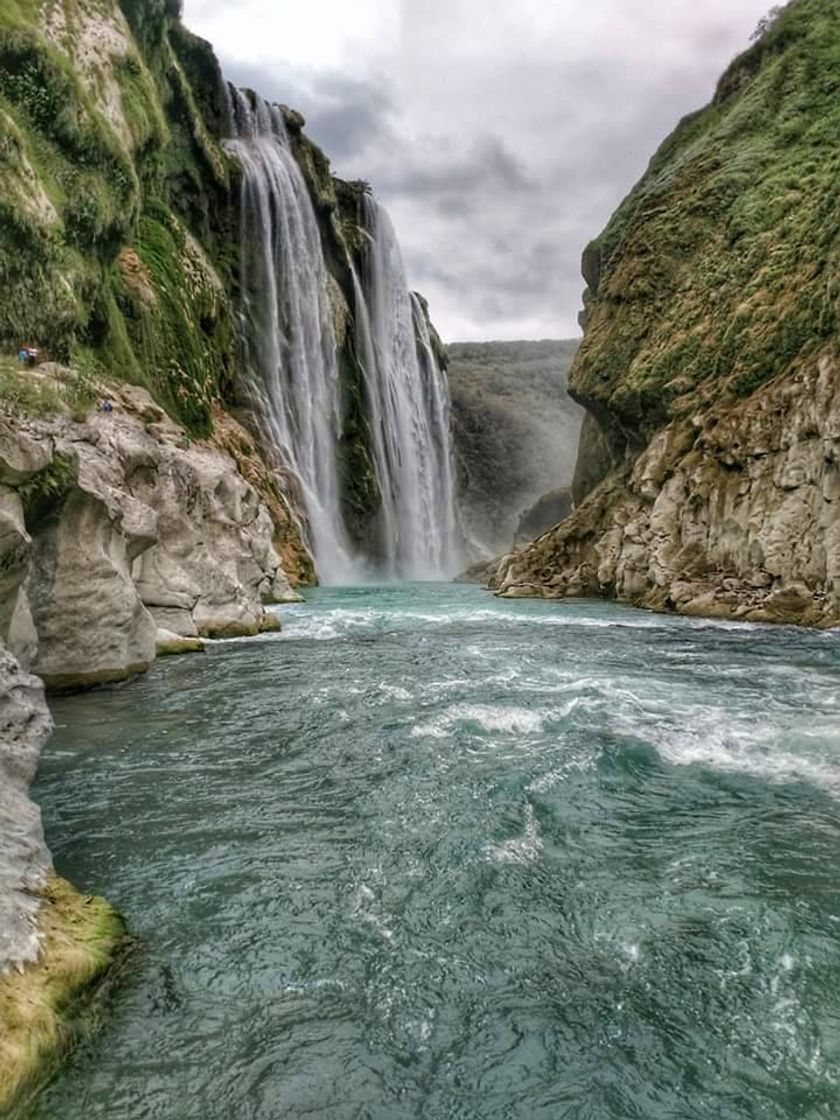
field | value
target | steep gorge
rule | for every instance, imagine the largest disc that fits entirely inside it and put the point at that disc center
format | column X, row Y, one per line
column 165, row 231
column 275, row 406
column 708, row 477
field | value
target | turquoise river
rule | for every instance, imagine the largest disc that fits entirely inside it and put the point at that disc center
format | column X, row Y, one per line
column 430, row 854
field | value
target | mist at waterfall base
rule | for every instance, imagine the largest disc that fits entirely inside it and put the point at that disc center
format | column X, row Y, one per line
column 292, row 376
column 430, row 854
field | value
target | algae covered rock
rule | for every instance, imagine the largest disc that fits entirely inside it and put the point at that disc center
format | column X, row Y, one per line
column 43, row 1004
column 54, row 942
column 710, row 358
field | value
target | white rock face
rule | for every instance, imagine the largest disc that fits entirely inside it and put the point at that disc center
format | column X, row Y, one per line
column 25, row 725
column 734, row 512
column 128, row 528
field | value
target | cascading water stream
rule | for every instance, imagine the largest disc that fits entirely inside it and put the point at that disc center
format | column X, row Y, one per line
column 409, row 412
column 291, row 370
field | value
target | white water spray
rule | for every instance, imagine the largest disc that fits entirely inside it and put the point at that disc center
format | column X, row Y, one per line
column 291, row 371
column 408, row 404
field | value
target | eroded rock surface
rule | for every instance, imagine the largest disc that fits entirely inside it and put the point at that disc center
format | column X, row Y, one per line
column 116, row 526
column 735, row 512
column 546, row 512
column 707, row 479
column 25, row 862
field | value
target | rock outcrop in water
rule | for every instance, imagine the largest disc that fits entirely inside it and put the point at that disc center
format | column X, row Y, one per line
column 710, row 464
column 25, row 725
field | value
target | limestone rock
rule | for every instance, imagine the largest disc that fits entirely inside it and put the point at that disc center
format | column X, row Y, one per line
column 739, row 519
column 25, row 725
column 120, row 526
column 169, row 644
column 547, row 511
column 709, row 470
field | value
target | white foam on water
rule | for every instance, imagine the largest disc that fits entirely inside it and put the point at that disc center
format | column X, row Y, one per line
column 390, row 618
column 558, row 774
column 393, row 691
column 366, row 909
column 436, row 689
column 756, row 748
column 316, row 631
column 519, row 849
column 509, row 721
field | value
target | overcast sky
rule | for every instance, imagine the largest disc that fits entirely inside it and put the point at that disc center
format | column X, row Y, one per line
column 500, row 134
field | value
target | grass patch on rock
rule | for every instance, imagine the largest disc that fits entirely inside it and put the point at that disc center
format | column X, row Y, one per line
column 46, row 1007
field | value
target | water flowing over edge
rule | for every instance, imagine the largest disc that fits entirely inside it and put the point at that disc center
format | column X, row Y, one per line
column 291, row 372
column 409, row 411
column 292, row 375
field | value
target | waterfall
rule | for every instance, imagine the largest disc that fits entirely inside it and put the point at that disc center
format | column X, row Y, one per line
column 291, row 371
column 291, row 368
column 408, row 406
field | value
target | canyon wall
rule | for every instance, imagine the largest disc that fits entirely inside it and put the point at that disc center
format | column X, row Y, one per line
column 708, row 477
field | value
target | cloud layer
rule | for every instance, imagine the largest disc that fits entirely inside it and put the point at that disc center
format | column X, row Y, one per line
column 500, row 134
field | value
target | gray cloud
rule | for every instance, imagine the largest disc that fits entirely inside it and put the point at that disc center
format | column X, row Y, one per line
column 344, row 114
column 501, row 134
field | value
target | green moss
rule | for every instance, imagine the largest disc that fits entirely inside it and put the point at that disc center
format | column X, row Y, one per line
column 45, row 1009
column 73, row 198
column 40, row 83
column 180, row 329
column 27, row 392
column 724, row 262
column 24, row 394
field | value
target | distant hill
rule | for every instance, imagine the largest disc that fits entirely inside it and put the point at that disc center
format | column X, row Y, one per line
column 515, row 430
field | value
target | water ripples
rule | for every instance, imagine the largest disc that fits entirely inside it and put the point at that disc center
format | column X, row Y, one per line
column 433, row 855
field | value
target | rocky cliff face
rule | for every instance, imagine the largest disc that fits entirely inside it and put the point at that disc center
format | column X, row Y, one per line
column 142, row 528
column 120, row 221
column 119, row 533
column 54, row 943
column 24, row 860
column 709, row 468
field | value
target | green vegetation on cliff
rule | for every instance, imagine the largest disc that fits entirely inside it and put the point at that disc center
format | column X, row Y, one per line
column 106, row 159
column 721, row 269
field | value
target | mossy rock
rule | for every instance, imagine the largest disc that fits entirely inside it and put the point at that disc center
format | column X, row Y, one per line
column 45, row 1008
column 270, row 624
column 722, row 267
